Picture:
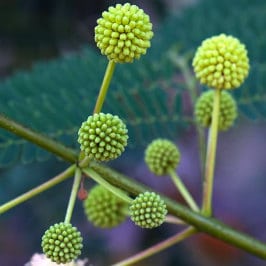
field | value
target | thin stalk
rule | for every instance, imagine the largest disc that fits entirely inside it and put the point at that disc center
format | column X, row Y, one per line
column 211, row 226
column 210, row 157
column 85, row 162
column 101, row 98
column 96, row 177
column 105, row 85
column 36, row 191
column 183, row 190
column 158, row 247
column 73, row 195
column 41, row 140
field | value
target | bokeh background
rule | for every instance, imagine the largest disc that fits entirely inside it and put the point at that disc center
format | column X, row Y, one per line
column 36, row 30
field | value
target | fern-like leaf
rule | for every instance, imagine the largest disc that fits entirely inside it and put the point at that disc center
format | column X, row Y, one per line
column 55, row 97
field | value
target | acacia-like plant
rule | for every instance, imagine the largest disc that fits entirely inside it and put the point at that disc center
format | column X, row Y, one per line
column 123, row 34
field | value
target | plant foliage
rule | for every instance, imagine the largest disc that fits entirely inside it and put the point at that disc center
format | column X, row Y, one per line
column 53, row 97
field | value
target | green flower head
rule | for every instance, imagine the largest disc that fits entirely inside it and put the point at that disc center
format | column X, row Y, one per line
column 227, row 114
column 123, row 33
column 221, row 62
column 148, row 210
column 162, row 156
column 104, row 209
column 62, row 243
column 103, row 137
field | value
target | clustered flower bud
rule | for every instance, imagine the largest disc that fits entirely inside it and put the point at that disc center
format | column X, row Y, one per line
column 227, row 114
column 123, row 33
column 103, row 137
column 148, row 210
column 62, row 243
column 104, row 209
column 162, row 156
column 221, row 62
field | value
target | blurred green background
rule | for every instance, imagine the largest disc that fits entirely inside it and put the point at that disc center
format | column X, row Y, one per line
column 31, row 31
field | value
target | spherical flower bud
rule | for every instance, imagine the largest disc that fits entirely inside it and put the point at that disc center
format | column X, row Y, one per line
column 123, row 33
column 103, row 137
column 162, row 156
column 227, row 113
column 104, row 209
column 62, row 243
column 221, row 62
column 148, row 210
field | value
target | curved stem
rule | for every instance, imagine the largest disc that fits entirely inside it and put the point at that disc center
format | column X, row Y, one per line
column 96, row 177
column 202, row 223
column 105, row 85
column 183, row 190
column 210, row 157
column 36, row 191
column 158, row 247
column 43, row 141
column 73, row 195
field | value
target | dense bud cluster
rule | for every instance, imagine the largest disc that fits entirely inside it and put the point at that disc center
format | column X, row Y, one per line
column 123, row 33
column 221, row 62
column 104, row 209
column 62, row 243
column 162, row 156
column 227, row 112
column 148, row 210
column 103, row 137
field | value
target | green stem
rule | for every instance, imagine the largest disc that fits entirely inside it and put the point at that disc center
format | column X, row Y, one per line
column 36, row 191
column 183, row 190
column 105, row 85
column 101, row 98
column 73, row 195
column 210, row 157
column 202, row 223
column 158, row 247
column 96, row 177
column 38, row 139
column 85, row 162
